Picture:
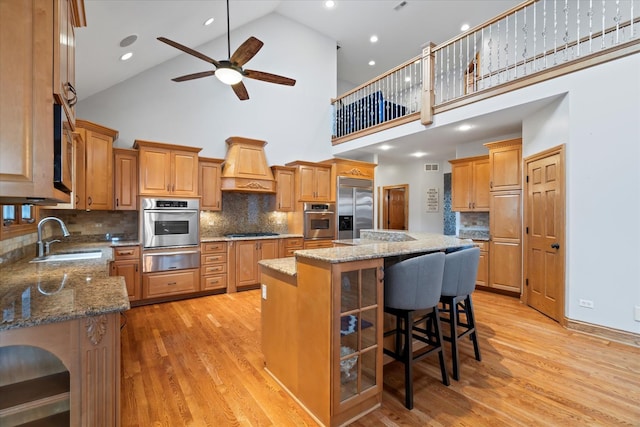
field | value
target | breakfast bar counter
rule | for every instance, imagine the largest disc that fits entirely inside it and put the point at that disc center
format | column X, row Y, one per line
column 322, row 320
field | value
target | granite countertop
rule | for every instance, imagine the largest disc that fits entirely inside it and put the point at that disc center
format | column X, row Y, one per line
column 33, row 294
column 374, row 244
column 229, row 239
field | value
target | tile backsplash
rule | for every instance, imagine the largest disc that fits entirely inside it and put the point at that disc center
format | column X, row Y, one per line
column 473, row 222
column 95, row 226
column 244, row 213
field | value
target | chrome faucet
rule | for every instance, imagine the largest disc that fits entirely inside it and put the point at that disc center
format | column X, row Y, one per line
column 40, row 243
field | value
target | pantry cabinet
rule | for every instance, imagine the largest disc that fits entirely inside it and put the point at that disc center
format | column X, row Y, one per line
column 209, row 171
column 125, row 179
column 470, row 184
column 505, row 220
column 312, row 181
column 98, row 170
column 167, row 170
column 506, row 165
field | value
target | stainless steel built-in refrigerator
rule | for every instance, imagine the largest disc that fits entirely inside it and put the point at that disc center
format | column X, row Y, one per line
column 355, row 207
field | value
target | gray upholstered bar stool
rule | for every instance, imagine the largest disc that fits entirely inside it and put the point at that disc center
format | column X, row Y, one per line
column 459, row 282
column 412, row 285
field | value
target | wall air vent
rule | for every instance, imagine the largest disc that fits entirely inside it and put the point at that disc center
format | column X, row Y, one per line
column 431, row 167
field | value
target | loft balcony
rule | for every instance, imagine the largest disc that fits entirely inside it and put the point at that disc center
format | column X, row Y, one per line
column 535, row 41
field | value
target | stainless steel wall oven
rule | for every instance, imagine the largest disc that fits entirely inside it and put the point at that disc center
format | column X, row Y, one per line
column 169, row 223
column 319, row 220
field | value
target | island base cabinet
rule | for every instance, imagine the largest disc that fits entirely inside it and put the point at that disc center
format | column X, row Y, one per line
column 64, row 373
column 322, row 336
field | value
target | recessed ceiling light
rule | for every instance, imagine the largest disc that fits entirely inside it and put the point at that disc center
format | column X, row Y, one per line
column 385, row 147
column 372, row 63
column 208, row 22
column 464, row 128
column 126, row 56
column 373, row 38
column 419, row 154
column 464, row 27
column 329, row 4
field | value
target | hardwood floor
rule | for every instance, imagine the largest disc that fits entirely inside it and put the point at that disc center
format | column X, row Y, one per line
column 198, row 363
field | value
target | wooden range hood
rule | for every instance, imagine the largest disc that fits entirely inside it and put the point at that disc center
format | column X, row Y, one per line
column 245, row 168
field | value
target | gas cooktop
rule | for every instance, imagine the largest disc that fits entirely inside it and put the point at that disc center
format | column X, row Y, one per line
column 264, row 234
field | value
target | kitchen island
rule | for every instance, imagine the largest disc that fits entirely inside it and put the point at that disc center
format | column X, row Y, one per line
column 322, row 320
column 60, row 340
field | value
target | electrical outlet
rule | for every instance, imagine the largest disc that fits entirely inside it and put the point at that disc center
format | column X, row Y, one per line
column 586, row 303
column 636, row 313
column 264, row 291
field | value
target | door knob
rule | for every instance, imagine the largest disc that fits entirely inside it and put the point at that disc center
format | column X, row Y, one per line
column 555, row 246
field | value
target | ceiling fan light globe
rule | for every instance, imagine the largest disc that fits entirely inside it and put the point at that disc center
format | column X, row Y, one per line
column 228, row 76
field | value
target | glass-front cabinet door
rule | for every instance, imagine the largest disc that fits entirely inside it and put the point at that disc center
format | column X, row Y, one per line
column 357, row 332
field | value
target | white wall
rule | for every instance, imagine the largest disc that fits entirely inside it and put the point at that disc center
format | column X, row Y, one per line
column 295, row 121
column 390, row 172
column 599, row 121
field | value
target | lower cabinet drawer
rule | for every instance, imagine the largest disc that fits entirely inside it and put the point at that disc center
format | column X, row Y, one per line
column 170, row 283
column 207, row 270
column 289, row 252
column 214, row 282
column 212, row 258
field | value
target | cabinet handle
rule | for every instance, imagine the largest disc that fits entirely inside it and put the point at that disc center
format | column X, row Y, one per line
column 125, row 253
column 73, row 100
column 218, row 204
column 89, row 200
column 490, row 184
column 117, row 202
column 136, row 268
column 171, row 283
column 173, row 188
column 381, row 270
column 168, row 187
column 77, row 200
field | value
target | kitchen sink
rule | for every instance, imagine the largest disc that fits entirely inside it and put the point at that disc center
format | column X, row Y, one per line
column 71, row 256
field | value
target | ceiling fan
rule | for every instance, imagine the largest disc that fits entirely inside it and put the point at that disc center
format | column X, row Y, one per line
column 230, row 71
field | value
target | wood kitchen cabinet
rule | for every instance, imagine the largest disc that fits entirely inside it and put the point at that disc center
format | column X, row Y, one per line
column 98, row 169
column 506, row 241
column 470, row 184
column 68, row 14
column 505, row 158
column 482, row 277
column 244, row 256
column 213, row 266
column 322, row 336
column 285, row 188
column 350, row 169
column 167, row 170
column 290, row 245
column 209, row 189
column 27, row 38
column 125, row 165
column 317, row 244
column 170, row 283
column 312, row 181
column 126, row 263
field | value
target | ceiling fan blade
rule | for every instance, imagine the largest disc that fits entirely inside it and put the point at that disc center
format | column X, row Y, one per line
column 268, row 77
column 189, row 51
column 246, row 51
column 194, row 76
column 240, row 91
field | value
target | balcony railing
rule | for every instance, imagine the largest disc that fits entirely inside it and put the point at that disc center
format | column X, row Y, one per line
column 535, row 41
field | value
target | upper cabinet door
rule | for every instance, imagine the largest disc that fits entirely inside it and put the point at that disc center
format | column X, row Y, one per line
column 64, row 47
column 285, row 188
column 125, row 179
column 481, row 171
column 99, row 171
column 184, row 170
column 323, row 184
column 155, row 171
column 506, row 165
column 461, row 176
column 209, row 171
